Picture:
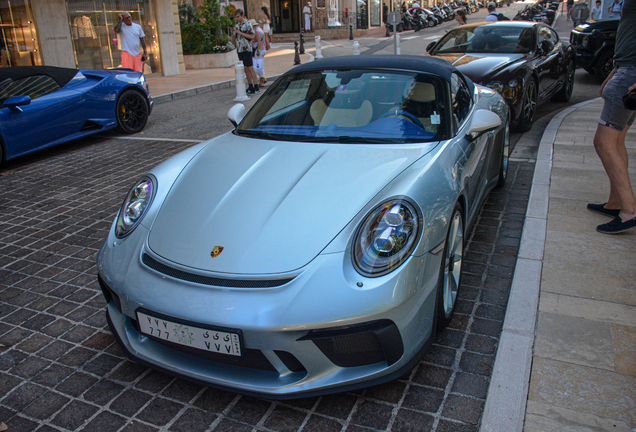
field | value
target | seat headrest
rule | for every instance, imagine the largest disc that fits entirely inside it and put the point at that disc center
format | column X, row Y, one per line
column 422, row 92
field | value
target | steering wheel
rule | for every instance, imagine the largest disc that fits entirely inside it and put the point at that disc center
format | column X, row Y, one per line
column 407, row 115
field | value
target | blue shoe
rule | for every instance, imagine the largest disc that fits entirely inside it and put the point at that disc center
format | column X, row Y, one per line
column 616, row 226
column 600, row 209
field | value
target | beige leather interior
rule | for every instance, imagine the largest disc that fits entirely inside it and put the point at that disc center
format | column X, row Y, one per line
column 340, row 117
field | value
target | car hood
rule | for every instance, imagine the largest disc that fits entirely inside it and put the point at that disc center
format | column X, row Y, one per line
column 271, row 205
column 479, row 67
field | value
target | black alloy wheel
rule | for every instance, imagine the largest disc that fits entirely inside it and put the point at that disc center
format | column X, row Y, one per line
column 604, row 65
column 529, row 107
column 132, row 112
column 565, row 93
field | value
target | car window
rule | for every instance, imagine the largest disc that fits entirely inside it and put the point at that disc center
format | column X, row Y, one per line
column 34, row 86
column 485, row 39
column 357, row 106
column 546, row 35
column 461, row 100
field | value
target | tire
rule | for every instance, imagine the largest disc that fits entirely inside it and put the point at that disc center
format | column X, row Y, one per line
column 451, row 269
column 604, row 65
column 529, row 108
column 505, row 156
column 565, row 93
column 431, row 23
column 132, row 112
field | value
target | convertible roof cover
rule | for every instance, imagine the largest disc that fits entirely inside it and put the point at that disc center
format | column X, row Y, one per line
column 431, row 65
column 61, row 75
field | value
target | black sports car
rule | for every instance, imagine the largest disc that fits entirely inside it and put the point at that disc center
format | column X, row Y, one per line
column 526, row 62
column 594, row 43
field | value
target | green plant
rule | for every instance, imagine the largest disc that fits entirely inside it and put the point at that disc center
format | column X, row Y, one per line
column 207, row 33
column 187, row 13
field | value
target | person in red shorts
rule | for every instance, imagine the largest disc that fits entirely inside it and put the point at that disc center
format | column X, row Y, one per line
column 131, row 36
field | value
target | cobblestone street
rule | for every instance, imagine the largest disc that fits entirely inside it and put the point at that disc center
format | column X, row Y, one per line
column 61, row 369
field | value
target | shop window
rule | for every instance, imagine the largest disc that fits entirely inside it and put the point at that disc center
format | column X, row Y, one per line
column 95, row 44
column 18, row 41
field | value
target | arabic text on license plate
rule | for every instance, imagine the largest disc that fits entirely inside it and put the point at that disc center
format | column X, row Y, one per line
column 194, row 337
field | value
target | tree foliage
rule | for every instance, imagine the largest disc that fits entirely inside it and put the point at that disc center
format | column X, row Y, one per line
column 208, row 31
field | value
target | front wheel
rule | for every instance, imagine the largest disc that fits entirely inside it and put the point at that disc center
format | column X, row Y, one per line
column 565, row 93
column 604, row 65
column 132, row 112
column 505, row 155
column 451, row 270
column 529, row 107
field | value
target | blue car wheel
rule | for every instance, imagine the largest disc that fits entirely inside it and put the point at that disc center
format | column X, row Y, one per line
column 132, row 112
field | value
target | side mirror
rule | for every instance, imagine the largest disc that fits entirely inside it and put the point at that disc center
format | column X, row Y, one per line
column 14, row 103
column 236, row 114
column 483, row 121
column 430, row 46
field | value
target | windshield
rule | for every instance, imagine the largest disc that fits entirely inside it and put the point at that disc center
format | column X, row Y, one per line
column 486, row 39
column 350, row 106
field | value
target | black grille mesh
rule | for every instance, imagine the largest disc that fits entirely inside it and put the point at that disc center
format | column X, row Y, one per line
column 207, row 280
column 352, row 350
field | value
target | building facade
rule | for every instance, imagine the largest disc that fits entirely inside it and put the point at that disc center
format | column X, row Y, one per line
column 79, row 33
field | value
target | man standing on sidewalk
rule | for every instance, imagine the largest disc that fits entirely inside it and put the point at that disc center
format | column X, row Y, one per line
column 131, row 36
column 242, row 36
column 614, row 123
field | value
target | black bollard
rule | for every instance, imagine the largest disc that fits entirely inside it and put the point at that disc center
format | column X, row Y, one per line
column 296, row 54
column 388, row 33
column 350, row 32
column 302, row 42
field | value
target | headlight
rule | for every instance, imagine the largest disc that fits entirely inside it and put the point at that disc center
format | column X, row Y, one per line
column 496, row 85
column 584, row 41
column 386, row 238
column 135, row 206
column 511, row 90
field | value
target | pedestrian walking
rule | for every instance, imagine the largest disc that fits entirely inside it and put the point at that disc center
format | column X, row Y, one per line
column 615, row 9
column 614, row 122
column 267, row 27
column 460, row 17
column 308, row 14
column 597, row 11
column 259, row 50
column 131, row 36
column 493, row 15
column 570, row 5
column 242, row 37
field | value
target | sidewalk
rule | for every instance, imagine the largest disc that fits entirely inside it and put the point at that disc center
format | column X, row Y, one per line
column 581, row 340
column 277, row 61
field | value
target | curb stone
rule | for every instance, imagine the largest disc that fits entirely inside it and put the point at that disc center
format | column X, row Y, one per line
column 505, row 407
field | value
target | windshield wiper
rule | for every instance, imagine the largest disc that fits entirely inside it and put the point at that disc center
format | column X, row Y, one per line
column 256, row 134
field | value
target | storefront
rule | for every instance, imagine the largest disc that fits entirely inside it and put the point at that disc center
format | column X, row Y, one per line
column 94, row 43
column 19, row 42
column 79, row 33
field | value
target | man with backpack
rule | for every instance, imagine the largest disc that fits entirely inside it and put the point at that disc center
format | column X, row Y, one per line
column 494, row 15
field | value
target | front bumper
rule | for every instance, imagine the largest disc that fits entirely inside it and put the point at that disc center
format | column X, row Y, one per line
column 298, row 338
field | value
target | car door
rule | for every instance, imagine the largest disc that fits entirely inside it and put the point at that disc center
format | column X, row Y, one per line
column 52, row 115
column 474, row 151
column 549, row 53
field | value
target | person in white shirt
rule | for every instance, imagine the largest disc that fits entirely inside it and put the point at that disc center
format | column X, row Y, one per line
column 308, row 15
column 615, row 9
column 595, row 15
column 492, row 14
column 131, row 36
column 259, row 50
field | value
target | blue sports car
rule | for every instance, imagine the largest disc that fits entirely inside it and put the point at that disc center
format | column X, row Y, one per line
column 41, row 106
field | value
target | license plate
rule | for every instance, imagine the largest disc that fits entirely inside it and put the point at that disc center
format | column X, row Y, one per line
column 194, row 337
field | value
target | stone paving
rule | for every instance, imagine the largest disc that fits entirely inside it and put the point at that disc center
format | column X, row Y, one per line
column 61, row 369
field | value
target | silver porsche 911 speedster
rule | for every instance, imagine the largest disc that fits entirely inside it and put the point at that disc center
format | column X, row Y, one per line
column 318, row 246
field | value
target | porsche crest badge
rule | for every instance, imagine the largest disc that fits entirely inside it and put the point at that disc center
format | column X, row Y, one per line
column 216, row 251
